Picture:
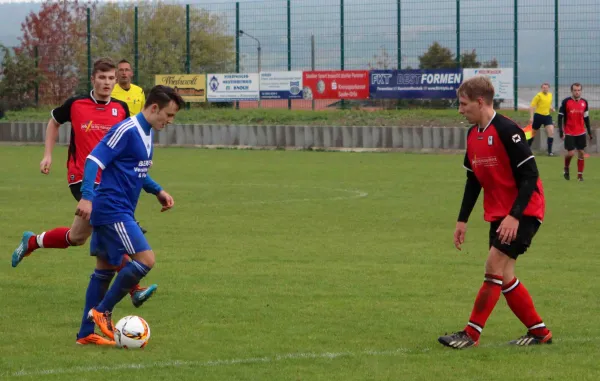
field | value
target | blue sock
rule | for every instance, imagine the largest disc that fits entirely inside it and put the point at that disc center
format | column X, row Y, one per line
column 129, row 276
column 99, row 282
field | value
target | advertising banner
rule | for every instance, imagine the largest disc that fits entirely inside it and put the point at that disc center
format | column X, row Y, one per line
column 232, row 87
column 348, row 84
column 281, row 85
column 191, row 87
column 415, row 84
column 502, row 79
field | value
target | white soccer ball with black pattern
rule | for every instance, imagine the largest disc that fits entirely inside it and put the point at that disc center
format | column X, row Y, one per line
column 132, row 332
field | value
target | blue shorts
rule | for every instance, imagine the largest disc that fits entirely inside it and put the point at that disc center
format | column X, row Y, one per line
column 112, row 241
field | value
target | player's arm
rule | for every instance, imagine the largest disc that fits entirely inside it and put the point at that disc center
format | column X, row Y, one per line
column 586, row 120
column 470, row 196
column 523, row 166
column 532, row 107
column 152, row 187
column 561, row 117
column 58, row 116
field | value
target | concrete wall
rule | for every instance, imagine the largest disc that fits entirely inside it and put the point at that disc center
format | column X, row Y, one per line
column 292, row 137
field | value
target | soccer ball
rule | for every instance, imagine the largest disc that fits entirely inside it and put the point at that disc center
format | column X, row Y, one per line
column 132, row 332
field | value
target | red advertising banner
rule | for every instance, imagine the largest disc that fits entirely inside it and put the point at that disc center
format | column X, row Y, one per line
column 347, row 84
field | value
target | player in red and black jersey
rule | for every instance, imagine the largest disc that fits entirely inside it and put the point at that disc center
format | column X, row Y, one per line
column 499, row 160
column 574, row 112
column 91, row 117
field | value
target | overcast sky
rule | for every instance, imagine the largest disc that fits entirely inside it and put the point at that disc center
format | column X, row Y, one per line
column 370, row 26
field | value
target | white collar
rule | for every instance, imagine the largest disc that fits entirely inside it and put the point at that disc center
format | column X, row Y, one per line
column 95, row 100
column 490, row 122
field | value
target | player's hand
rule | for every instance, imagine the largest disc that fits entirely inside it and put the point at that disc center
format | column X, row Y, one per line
column 84, row 209
column 507, row 231
column 459, row 234
column 591, row 137
column 165, row 200
column 45, row 165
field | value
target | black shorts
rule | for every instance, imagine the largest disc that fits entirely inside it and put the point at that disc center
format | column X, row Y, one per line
column 528, row 226
column 541, row 120
column 578, row 142
column 76, row 190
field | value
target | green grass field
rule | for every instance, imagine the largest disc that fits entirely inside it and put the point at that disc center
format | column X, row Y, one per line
column 402, row 118
column 280, row 265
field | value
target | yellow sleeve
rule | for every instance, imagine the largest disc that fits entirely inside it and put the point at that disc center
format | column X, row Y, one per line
column 535, row 100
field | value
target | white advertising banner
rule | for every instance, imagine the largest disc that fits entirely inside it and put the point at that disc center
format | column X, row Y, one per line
column 232, row 87
column 502, row 79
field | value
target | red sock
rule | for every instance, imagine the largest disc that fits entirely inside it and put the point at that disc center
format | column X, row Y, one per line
column 55, row 239
column 521, row 304
column 486, row 300
column 580, row 165
column 568, row 161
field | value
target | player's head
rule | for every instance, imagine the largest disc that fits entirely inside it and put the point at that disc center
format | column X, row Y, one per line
column 103, row 78
column 475, row 95
column 161, row 106
column 576, row 90
column 124, row 73
column 545, row 87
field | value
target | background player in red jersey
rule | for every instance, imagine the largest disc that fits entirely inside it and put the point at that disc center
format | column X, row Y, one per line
column 499, row 160
column 574, row 111
column 91, row 116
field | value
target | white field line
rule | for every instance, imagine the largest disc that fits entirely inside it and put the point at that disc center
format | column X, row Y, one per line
column 253, row 360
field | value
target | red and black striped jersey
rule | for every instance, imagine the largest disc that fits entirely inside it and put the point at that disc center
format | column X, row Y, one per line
column 90, row 121
column 499, row 157
column 574, row 112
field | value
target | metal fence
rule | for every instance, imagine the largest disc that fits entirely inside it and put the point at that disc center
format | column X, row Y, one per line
column 555, row 41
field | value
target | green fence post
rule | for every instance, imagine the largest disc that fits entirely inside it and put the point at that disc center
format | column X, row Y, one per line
column 458, row 34
column 187, row 45
column 37, row 85
column 342, row 34
column 399, row 33
column 89, row 49
column 516, row 54
column 136, row 52
column 237, row 43
column 556, row 54
column 289, row 43
column 342, row 39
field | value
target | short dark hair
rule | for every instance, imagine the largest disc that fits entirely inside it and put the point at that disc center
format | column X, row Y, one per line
column 545, row 83
column 124, row 61
column 162, row 96
column 576, row 84
column 103, row 64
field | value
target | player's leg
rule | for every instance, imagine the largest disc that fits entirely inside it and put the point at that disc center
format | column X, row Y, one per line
column 517, row 297
column 580, row 144
column 57, row 238
column 99, row 283
column 139, row 295
column 550, row 133
column 487, row 297
column 122, row 238
column 535, row 125
column 570, row 148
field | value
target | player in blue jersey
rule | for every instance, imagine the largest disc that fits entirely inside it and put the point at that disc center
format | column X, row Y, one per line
column 125, row 156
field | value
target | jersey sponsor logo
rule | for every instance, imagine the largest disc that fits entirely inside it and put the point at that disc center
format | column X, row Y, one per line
column 488, row 161
column 142, row 168
column 91, row 126
column 516, row 138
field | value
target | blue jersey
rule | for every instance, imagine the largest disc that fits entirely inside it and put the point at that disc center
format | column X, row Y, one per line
column 125, row 156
